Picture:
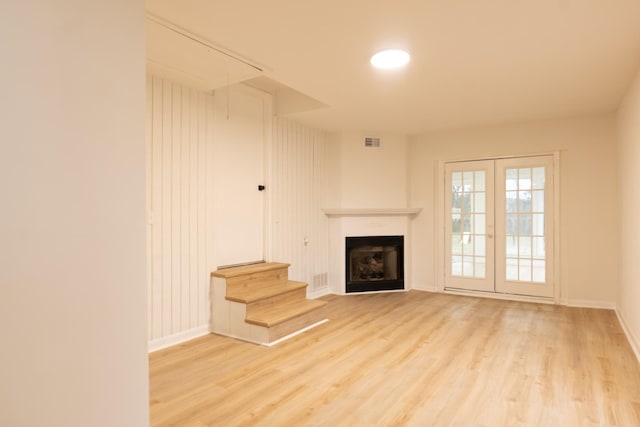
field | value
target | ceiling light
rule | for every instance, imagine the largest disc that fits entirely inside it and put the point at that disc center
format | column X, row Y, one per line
column 390, row 58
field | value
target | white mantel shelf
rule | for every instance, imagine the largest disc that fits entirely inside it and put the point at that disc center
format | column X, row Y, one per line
column 372, row 212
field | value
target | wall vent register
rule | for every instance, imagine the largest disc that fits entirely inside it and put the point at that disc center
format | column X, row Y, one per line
column 372, row 142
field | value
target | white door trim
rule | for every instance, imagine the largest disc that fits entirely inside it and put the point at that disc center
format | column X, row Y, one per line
column 464, row 281
column 247, row 110
column 531, row 287
column 560, row 292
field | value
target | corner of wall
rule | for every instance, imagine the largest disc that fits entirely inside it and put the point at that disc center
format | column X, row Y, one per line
column 628, row 162
column 634, row 341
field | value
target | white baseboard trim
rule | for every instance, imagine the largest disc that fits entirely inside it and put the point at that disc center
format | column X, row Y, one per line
column 633, row 340
column 591, row 304
column 431, row 289
column 491, row 295
column 608, row 305
column 179, row 338
column 318, row 293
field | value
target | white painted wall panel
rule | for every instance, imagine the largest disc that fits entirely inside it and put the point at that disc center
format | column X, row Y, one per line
column 628, row 126
column 184, row 152
column 371, row 178
column 72, row 222
column 299, row 233
column 179, row 147
column 241, row 130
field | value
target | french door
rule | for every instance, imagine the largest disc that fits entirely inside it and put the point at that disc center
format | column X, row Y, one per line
column 499, row 226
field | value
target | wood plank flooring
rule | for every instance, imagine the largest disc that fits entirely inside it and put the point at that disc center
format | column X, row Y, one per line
column 410, row 359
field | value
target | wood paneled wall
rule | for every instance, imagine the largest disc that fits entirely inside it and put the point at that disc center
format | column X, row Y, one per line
column 179, row 146
column 298, row 226
column 180, row 207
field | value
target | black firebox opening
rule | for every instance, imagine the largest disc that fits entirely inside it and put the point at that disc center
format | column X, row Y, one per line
column 374, row 263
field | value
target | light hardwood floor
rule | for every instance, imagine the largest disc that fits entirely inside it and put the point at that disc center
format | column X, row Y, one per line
column 410, row 359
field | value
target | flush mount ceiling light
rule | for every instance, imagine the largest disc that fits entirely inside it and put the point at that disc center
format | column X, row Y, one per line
column 390, row 58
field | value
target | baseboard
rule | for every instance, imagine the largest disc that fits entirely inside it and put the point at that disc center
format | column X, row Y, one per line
column 318, row 293
column 431, row 289
column 179, row 338
column 608, row 305
column 492, row 295
column 633, row 340
column 591, row 304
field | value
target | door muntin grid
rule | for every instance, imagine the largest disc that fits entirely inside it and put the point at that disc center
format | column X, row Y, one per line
column 525, row 255
column 468, row 224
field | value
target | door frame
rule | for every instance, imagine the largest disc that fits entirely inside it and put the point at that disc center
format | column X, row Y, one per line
column 559, row 291
column 481, row 284
column 266, row 120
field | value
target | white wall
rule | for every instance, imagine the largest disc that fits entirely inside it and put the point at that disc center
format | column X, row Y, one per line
column 72, row 222
column 365, row 178
column 296, row 195
column 179, row 189
column 362, row 177
column 242, row 131
column 189, row 204
column 588, row 197
column 629, row 211
column 205, row 157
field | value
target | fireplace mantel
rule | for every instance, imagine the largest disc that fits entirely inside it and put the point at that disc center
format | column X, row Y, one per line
column 338, row 212
column 362, row 222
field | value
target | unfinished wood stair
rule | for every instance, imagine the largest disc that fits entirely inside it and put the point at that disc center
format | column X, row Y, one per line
column 258, row 303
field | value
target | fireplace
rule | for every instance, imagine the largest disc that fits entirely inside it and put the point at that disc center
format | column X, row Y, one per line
column 374, row 263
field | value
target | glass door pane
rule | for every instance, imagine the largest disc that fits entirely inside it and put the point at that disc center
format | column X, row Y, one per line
column 469, row 244
column 524, row 232
column 524, row 236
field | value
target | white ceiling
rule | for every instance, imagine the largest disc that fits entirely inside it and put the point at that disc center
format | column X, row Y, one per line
column 474, row 62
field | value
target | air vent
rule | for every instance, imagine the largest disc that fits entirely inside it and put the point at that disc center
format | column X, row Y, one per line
column 372, row 142
column 319, row 281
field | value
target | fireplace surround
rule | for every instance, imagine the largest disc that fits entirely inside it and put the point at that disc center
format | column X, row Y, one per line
column 374, row 263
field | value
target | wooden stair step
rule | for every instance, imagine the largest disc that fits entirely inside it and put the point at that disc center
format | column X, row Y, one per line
column 251, row 295
column 258, row 303
column 245, row 270
column 274, row 315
